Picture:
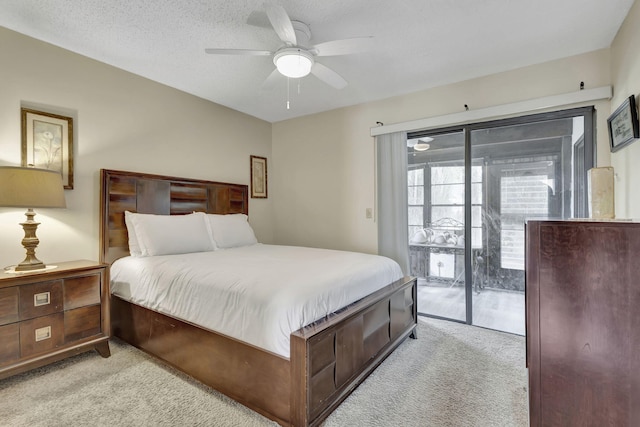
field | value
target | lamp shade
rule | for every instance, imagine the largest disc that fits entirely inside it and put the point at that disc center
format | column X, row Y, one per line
column 30, row 188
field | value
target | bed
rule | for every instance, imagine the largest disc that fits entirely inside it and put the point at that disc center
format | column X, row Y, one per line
column 327, row 359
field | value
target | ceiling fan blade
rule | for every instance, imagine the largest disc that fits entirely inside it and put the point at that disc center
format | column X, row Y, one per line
column 328, row 76
column 281, row 23
column 344, row 46
column 251, row 52
column 271, row 81
column 258, row 18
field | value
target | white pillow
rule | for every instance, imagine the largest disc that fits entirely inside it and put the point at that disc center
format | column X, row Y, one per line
column 231, row 231
column 172, row 234
column 134, row 246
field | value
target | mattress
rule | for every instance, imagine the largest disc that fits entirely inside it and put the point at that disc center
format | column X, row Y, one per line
column 258, row 294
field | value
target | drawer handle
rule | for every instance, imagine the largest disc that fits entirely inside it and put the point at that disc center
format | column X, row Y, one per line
column 43, row 333
column 43, row 298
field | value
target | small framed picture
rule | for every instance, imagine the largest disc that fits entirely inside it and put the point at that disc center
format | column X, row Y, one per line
column 47, row 143
column 258, row 177
column 623, row 124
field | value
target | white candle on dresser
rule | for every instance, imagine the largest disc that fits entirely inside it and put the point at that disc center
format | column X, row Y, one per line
column 601, row 193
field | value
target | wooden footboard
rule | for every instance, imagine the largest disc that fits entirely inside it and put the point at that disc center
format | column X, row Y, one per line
column 329, row 358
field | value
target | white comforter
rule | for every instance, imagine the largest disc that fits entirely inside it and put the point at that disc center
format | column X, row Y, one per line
column 258, row 294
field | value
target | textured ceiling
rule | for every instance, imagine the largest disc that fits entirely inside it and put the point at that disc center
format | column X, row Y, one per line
column 418, row 43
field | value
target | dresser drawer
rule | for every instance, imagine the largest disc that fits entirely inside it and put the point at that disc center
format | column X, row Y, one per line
column 8, row 305
column 40, row 299
column 81, row 291
column 81, row 323
column 9, row 343
column 41, row 334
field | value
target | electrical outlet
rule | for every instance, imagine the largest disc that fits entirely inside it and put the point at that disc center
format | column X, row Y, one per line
column 369, row 213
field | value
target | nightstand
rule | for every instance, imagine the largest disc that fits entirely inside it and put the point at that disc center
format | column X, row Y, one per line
column 50, row 315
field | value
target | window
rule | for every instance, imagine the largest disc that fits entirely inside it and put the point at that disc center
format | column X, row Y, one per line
column 415, row 180
column 524, row 194
column 447, row 196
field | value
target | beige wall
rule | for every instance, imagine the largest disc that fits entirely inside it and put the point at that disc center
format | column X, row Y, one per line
column 323, row 165
column 625, row 72
column 122, row 122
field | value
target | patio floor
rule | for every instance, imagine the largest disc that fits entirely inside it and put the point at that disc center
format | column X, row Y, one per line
column 494, row 309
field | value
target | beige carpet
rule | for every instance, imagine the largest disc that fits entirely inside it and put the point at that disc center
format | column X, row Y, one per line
column 453, row 375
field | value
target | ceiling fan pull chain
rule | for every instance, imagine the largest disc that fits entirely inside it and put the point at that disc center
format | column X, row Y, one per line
column 288, row 92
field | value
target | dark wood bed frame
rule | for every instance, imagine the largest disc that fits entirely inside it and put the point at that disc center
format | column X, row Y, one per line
column 328, row 358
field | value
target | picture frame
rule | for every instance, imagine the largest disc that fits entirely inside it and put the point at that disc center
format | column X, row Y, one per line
column 623, row 124
column 258, row 177
column 47, row 143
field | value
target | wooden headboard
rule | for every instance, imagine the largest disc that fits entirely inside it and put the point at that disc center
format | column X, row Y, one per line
column 157, row 194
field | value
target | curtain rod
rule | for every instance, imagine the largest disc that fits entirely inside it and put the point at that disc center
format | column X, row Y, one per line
column 470, row 116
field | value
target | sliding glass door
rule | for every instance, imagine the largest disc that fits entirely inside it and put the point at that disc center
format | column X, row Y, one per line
column 436, row 180
column 470, row 194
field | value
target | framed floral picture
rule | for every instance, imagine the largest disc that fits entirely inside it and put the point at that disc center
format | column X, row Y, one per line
column 47, row 143
column 258, row 177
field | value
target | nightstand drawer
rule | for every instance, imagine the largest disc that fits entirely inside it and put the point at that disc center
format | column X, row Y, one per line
column 81, row 291
column 40, row 299
column 9, row 343
column 8, row 305
column 81, row 323
column 46, row 316
column 41, row 334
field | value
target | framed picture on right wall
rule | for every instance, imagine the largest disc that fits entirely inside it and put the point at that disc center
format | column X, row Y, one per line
column 623, row 124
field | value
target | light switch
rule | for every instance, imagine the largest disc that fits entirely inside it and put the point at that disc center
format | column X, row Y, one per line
column 369, row 213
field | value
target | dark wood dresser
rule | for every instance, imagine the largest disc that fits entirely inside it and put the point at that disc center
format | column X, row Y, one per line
column 583, row 323
column 47, row 316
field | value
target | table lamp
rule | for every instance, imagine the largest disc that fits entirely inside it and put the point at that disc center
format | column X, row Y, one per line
column 30, row 188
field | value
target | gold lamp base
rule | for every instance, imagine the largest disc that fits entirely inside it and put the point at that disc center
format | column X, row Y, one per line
column 30, row 243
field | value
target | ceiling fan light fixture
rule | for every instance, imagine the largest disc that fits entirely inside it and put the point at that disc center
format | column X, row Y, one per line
column 293, row 62
column 420, row 144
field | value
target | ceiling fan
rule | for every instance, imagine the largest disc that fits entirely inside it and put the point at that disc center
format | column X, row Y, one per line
column 296, row 58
